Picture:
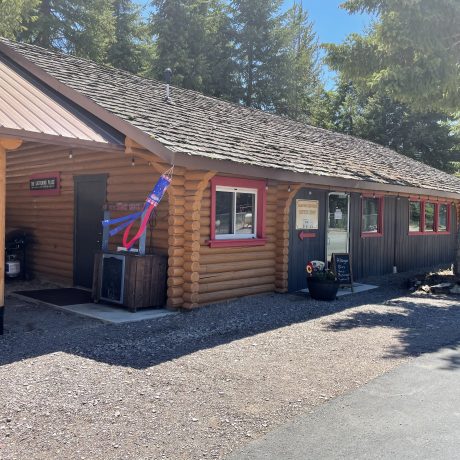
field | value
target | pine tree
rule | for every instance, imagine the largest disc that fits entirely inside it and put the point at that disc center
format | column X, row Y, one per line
column 130, row 51
column 412, row 50
column 81, row 27
column 13, row 15
column 192, row 40
column 297, row 82
column 258, row 40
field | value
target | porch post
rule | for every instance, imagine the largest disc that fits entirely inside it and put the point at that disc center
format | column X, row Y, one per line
column 5, row 144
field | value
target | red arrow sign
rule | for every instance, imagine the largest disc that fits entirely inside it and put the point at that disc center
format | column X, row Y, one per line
column 303, row 235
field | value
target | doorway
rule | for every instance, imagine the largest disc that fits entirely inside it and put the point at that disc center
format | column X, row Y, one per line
column 90, row 197
column 338, row 224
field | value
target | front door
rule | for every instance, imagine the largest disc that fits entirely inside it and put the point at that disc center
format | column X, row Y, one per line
column 90, row 197
column 306, row 239
column 337, row 224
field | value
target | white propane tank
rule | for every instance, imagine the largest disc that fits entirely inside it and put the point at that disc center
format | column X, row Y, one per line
column 13, row 267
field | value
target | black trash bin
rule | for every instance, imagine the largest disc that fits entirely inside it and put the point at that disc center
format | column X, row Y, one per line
column 16, row 242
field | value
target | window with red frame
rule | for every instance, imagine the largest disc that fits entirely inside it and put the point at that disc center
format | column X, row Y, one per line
column 237, row 212
column 427, row 217
column 372, row 216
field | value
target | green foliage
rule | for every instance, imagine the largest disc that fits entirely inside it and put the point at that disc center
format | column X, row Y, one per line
column 131, row 49
column 412, row 50
column 296, row 83
column 259, row 42
column 13, row 15
column 82, row 27
column 193, row 39
column 427, row 137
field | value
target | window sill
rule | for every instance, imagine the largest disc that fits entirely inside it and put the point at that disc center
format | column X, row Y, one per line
column 428, row 233
column 371, row 235
column 241, row 242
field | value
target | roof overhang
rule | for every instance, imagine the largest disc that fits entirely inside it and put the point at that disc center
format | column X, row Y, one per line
column 201, row 162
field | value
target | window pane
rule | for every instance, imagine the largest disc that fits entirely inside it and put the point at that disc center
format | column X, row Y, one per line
column 414, row 216
column 429, row 217
column 245, row 207
column 442, row 219
column 371, row 215
column 224, row 213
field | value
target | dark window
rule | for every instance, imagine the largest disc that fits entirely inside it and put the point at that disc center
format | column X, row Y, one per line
column 372, row 218
column 235, row 213
column 414, row 216
column 429, row 217
column 443, row 218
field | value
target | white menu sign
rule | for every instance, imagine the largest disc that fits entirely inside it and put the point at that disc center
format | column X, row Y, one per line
column 306, row 214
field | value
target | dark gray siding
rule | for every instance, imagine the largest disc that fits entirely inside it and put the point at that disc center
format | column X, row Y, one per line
column 300, row 252
column 371, row 256
column 376, row 256
column 414, row 251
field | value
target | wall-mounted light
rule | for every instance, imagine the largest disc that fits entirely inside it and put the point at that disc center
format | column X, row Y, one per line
column 133, row 163
column 289, row 188
column 70, row 154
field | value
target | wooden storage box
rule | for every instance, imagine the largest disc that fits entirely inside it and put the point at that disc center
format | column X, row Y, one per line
column 131, row 280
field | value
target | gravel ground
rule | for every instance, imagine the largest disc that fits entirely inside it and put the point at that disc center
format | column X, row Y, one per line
column 201, row 384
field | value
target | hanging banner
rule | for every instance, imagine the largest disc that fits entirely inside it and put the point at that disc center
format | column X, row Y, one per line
column 307, row 212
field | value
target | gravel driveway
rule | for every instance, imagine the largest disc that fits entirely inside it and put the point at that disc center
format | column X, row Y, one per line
column 201, row 384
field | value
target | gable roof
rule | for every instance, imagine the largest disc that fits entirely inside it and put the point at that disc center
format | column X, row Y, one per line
column 200, row 126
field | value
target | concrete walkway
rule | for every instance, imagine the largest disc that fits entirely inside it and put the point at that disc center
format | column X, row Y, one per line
column 412, row 412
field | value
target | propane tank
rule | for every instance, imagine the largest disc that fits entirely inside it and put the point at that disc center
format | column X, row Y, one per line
column 13, row 267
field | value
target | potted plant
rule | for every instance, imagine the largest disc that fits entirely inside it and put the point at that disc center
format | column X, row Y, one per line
column 322, row 282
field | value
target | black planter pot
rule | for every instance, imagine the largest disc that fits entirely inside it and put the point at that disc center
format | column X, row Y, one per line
column 322, row 289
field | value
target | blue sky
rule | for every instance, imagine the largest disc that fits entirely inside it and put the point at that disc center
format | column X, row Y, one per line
column 332, row 24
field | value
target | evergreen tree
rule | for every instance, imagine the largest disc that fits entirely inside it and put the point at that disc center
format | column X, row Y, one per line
column 427, row 137
column 297, row 81
column 412, row 50
column 130, row 51
column 259, row 41
column 81, row 27
column 192, row 38
column 13, row 15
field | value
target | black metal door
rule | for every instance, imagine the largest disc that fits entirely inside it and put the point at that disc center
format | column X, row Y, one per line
column 90, row 197
column 312, row 246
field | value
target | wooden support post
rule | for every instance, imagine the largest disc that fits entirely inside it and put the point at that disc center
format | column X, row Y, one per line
column 5, row 144
column 283, row 205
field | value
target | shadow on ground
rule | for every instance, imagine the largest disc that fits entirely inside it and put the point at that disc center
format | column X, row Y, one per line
column 424, row 324
column 422, row 327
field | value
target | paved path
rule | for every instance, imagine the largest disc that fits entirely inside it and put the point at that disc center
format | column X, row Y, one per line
column 413, row 412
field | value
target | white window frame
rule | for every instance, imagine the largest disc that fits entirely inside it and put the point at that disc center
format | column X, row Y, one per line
column 235, row 190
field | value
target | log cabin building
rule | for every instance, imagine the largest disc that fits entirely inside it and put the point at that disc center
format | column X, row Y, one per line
column 254, row 196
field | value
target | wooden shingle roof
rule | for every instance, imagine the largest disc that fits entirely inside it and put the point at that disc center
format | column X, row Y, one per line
column 197, row 125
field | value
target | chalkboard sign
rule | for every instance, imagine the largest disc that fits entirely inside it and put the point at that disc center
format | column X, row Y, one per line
column 113, row 273
column 341, row 266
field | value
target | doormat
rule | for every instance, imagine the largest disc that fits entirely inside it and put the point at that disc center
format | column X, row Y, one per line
column 59, row 297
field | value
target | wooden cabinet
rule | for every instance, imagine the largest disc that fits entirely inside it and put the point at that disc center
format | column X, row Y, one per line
column 131, row 280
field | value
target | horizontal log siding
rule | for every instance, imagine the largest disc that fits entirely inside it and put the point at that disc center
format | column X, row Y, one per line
column 226, row 273
column 50, row 219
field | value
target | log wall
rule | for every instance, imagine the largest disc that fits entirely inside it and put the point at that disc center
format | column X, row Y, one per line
column 50, row 219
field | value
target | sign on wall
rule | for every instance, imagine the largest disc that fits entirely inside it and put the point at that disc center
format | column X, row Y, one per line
column 307, row 214
column 45, row 184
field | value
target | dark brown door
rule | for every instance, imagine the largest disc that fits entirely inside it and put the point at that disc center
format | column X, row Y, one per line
column 90, row 197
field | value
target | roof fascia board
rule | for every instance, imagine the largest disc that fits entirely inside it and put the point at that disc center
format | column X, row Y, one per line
column 57, row 140
column 86, row 103
column 225, row 166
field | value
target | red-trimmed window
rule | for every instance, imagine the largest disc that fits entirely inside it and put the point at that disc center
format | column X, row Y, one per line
column 415, row 216
column 427, row 217
column 237, row 212
column 372, row 216
column 443, row 218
